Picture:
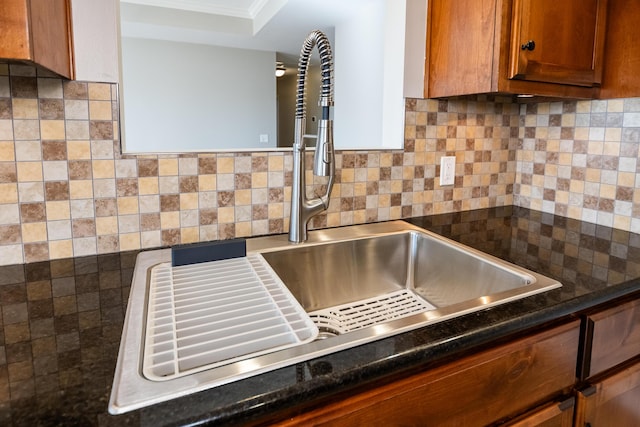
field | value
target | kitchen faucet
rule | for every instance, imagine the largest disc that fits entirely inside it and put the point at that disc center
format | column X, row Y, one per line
column 302, row 208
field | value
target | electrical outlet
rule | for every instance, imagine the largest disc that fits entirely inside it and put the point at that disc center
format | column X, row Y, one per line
column 447, row 170
column 264, row 137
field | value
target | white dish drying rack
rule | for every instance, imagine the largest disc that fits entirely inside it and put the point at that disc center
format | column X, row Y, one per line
column 205, row 315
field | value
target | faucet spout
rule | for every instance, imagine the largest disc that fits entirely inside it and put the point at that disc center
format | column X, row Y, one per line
column 303, row 208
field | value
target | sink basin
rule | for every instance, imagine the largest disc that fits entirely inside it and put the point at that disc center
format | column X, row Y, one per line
column 356, row 284
column 446, row 275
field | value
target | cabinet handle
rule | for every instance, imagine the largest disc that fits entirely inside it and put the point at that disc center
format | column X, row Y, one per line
column 530, row 45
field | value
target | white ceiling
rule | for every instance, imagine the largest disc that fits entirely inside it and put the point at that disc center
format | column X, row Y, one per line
column 237, row 8
column 274, row 25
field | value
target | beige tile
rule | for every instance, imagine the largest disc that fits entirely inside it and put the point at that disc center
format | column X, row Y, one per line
column 188, row 201
column 24, row 108
column 8, row 193
column 58, row 210
column 34, row 232
column 60, row 249
column 99, row 91
column 100, row 110
column 106, row 225
column 169, row 220
column 226, row 215
column 127, row 205
column 207, row 182
column 129, row 241
column 103, row 169
column 29, row 171
column 189, row 235
column 148, row 185
column 225, row 165
column 167, row 167
column 78, row 150
column 52, row 129
column 7, row 151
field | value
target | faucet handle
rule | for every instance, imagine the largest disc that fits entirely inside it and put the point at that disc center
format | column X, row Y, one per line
column 324, row 159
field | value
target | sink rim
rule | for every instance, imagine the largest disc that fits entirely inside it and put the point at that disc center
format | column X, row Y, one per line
column 132, row 391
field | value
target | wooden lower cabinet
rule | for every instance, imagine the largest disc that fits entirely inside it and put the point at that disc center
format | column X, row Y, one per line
column 556, row 414
column 614, row 401
column 479, row 389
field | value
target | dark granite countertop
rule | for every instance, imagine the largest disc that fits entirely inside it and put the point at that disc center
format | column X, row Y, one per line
column 61, row 323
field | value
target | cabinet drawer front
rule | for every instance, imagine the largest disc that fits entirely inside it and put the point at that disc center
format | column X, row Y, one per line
column 615, row 336
column 476, row 390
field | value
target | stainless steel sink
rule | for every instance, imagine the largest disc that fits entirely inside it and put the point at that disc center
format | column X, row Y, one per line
column 357, row 284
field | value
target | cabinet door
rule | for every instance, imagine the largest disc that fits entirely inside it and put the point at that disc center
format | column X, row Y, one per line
column 551, row 415
column 558, row 41
column 614, row 328
column 38, row 31
column 479, row 389
column 614, row 401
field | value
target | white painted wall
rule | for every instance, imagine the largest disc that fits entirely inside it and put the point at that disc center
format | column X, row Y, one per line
column 174, row 99
column 369, row 109
column 95, row 40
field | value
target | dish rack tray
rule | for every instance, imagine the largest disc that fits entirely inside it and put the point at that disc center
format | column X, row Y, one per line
column 205, row 315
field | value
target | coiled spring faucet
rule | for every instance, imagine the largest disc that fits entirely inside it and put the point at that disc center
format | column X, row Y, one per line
column 302, row 208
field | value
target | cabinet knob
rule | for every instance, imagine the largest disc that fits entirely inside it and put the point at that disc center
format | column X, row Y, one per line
column 530, row 45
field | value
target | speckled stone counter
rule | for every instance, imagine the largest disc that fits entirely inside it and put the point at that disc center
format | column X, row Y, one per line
column 61, row 323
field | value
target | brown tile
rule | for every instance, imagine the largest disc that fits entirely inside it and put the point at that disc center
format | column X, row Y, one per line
column 108, row 244
column 170, row 237
column 276, row 226
column 207, row 165
column 208, row 216
column 8, row 172
column 606, row 205
column 126, row 187
column 51, row 109
column 24, row 87
column 39, row 290
column 10, row 234
column 80, row 169
column 5, row 108
column 348, row 161
column 75, row 90
column 227, row 231
column 169, row 202
column 147, row 167
column 624, row 194
column 259, row 164
column 226, row 198
column 259, row 212
column 188, row 184
column 276, row 195
column 151, row 221
column 242, row 181
column 100, row 129
column 54, row 150
column 83, row 227
column 56, row 190
column 36, row 251
column 106, row 207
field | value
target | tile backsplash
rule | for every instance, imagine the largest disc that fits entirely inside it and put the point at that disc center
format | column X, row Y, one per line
column 66, row 190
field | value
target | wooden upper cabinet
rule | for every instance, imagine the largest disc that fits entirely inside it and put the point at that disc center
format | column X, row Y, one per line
column 558, row 41
column 477, row 47
column 39, row 32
